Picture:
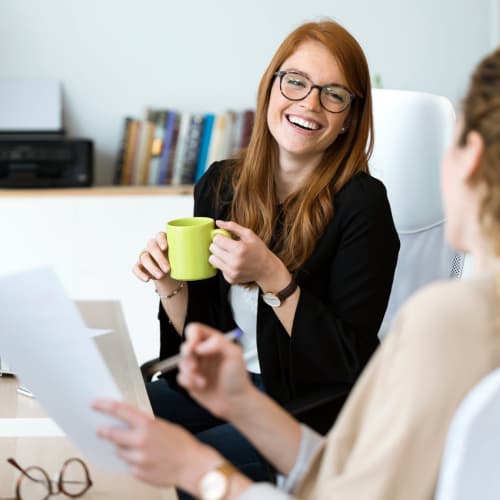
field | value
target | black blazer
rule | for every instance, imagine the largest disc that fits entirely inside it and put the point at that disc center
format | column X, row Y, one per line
column 345, row 287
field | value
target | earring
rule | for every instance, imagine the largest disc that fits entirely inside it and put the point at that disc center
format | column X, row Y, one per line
column 343, row 129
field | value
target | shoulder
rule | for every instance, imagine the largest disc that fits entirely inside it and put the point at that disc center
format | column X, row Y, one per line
column 450, row 311
column 362, row 207
column 362, row 190
column 214, row 186
column 211, row 177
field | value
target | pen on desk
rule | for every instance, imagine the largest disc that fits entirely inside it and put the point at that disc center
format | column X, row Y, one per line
column 24, row 392
column 173, row 362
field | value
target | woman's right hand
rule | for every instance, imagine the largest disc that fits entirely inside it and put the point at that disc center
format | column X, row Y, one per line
column 213, row 371
column 152, row 262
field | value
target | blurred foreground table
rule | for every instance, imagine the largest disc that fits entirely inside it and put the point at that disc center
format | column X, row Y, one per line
column 50, row 452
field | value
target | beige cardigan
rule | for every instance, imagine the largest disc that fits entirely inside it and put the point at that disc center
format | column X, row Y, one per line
column 388, row 440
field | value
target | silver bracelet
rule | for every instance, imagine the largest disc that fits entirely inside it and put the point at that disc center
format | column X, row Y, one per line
column 173, row 293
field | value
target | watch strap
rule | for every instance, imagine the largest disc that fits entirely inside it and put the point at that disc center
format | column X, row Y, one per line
column 287, row 291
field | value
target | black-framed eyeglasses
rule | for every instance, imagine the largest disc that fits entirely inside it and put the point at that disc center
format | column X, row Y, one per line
column 296, row 86
column 34, row 482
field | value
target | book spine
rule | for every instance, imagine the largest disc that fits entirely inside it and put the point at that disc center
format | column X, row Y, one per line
column 122, row 150
column 167, row 146
column 192, row 149
column 248, row 119
column 180, row 149
column 217, row 141
column 157, row 146
column 206, row 136
column 141, row 172
column 237, row 133
column 135, row 162
column 173, row 149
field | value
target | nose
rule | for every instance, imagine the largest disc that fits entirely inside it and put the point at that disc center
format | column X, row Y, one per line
column 313, row 99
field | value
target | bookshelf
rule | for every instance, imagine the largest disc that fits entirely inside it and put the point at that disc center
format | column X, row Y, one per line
column 100, row 191
column 173, row 148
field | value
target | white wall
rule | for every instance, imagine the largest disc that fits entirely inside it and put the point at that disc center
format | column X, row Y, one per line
column 114, row 57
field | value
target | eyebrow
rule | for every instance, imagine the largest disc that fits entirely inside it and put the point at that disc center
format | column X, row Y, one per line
column 303, row 73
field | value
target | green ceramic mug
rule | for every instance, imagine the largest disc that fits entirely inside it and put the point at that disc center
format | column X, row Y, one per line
column 188, row 243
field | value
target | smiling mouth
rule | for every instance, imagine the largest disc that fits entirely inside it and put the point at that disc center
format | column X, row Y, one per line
column 301, row 123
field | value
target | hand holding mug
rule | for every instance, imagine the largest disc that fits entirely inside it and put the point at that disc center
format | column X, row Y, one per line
column 152, row 262
column 243, row 260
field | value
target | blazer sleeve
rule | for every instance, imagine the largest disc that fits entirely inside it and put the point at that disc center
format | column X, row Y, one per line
column 199, row 308
column 342, row 305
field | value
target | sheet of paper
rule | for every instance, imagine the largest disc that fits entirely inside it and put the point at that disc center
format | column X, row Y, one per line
column 96, row 332
column 92, row 332
column 48, row 347
column 29, row 427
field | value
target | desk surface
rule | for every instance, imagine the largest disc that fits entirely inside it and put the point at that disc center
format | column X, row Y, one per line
column 50, row 452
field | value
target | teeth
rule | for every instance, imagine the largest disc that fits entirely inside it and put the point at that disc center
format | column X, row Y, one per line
column 303, row 123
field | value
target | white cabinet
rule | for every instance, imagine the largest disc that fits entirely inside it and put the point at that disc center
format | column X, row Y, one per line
column 92, row 239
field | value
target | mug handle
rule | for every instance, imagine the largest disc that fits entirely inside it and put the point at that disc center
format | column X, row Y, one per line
column 225, row 233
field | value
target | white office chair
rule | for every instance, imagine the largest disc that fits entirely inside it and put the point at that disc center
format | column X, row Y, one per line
column 412, row 131
column 469, row 468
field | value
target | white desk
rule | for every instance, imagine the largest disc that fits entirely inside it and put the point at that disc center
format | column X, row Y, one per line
column 50, row 452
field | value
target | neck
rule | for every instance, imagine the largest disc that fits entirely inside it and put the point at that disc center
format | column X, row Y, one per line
column 292, row 173
column 482, row 257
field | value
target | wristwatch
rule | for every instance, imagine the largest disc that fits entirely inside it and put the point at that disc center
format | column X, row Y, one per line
column 276, row 299
column 214, row 485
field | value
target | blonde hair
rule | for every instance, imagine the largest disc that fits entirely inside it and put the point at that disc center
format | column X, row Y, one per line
column 481, row 111
column 305, row 214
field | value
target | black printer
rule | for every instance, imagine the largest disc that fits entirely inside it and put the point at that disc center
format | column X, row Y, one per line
column 45, row 161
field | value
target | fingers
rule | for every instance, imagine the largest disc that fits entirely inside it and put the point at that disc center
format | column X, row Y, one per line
column 202, row 340
column 196, row 333
column 122, row 411
column 189, row 375
column 234, row 228
column 152, row 262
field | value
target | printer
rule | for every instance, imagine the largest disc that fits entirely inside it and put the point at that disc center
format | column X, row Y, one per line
column 34, row 151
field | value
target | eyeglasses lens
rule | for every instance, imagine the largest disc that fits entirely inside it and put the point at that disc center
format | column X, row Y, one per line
column 74, row 478
column 34, row 487
column 335, row 99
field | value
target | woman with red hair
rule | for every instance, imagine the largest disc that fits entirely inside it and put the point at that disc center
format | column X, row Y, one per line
column 308, row 272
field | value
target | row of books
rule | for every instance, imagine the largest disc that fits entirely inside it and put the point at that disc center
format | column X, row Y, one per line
column 173, row 148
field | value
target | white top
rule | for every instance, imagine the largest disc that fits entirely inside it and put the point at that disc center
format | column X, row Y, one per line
column 244, row 306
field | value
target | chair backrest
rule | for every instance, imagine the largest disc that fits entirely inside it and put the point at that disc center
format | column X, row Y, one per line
column 412, row 131
column 470, row 464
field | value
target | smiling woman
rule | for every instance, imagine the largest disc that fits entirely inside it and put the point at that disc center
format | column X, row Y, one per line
column 308, row 272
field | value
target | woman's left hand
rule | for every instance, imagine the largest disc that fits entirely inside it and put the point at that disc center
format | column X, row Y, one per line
column 242, row 260
column 157, row 452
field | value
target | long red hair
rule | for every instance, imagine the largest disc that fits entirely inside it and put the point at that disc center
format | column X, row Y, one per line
column 307, row 212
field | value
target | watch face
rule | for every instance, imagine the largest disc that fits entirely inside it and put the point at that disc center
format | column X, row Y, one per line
column 213, row 485
column 271, row 300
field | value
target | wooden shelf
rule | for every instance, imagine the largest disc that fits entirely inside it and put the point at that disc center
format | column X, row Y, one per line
column 101, row 191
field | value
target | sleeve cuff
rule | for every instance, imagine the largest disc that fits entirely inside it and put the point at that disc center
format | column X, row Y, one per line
column 310, row 442
column 258, row 491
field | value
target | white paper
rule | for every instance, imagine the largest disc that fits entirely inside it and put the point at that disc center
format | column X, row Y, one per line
column 92, row 332
column 30, row 105
column 97, row 332
column 47, row 345
column 29, row 427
